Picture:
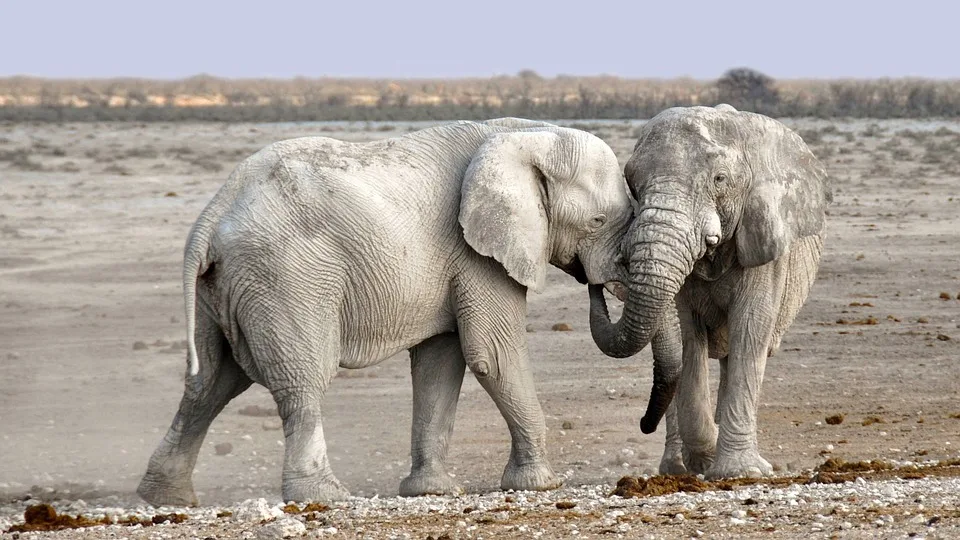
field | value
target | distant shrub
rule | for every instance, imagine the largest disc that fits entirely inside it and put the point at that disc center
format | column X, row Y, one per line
column 748, row 89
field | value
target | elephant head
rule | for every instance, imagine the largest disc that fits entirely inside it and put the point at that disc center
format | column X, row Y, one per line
column 710, row 183
column 547, row 195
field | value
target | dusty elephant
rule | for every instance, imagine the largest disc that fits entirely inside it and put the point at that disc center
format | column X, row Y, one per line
column 319, row 254
column 722, row 254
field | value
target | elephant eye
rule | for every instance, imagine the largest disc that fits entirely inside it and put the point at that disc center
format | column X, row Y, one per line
column 720, row 178
column 598, row 220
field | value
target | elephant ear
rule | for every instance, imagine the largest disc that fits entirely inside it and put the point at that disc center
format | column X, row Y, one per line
column 788, row 195
column 504, row 198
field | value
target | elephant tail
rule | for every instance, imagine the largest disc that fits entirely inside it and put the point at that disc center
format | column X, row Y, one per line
column 196, row 261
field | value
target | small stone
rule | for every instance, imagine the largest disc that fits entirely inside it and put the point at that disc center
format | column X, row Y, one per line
column 282, row 528
column 568, row 425
column 917, row 520
column 923, row 320
column 530, row 329
column 943, row 337
column 139, row 346
column 739, row 514
column 256, row 510
column 737, row 521
column 565, row 505
column 945, row 296
column 834, row 419
column 223, row 448
column 273, row 424
column 561, row 327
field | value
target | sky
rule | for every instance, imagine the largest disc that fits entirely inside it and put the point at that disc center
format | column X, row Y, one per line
column 169, row 39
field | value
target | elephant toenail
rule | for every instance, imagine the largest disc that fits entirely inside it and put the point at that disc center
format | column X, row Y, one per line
column 713, row 240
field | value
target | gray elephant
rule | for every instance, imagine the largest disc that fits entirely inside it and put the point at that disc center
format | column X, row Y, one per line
column 318, row 254
column 722, row 254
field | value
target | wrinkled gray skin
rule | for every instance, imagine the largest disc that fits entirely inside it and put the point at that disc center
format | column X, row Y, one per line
column 319, row 254
column 722, row 254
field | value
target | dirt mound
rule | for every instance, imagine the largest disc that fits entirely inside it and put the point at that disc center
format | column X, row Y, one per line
column 831, row 471
column 43, row 517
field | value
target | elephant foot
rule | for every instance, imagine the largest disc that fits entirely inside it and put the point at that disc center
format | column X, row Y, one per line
column 698, row 461
column 322, row 490
column 430, row 482
column 672, row 463
column 741, row 464
column 536, row 476
column 160, row 491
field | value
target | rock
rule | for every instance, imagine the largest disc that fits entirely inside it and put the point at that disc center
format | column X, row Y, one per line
column 530, row 329
column 282, row 528
column 256, row 510
column 273, row 424
column 834, row 419
column 566, row 425
column 561, row 327
column 139, row 346
column 943, row 337
column 223, row 449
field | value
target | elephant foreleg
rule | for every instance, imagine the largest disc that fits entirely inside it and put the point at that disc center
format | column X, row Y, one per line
column 695, row 417
column 722, row 391
column 437, row 368
column 495, row 349
column 752, row 322
column 672, row 460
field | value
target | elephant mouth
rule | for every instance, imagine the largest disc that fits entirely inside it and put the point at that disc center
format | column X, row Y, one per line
column 575, row 269
column 617, row 289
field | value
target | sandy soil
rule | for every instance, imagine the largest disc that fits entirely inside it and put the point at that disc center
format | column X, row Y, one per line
column 92, row 223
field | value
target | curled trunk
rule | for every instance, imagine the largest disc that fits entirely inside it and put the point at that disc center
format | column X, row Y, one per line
column 660, row 262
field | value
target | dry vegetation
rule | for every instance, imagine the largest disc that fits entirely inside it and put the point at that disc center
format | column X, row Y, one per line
column 527, row 94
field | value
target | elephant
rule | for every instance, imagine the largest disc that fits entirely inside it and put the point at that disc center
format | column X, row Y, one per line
column 721, row 256
column 318, row 254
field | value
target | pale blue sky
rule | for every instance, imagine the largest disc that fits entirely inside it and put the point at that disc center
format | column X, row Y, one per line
column 410, row 38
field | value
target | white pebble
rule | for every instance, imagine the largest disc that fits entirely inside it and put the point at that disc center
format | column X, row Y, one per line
column 282, row 528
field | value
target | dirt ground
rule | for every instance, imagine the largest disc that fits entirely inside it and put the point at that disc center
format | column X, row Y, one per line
column 92, row 223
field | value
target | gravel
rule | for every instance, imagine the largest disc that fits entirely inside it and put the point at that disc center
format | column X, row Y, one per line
column 928, row 507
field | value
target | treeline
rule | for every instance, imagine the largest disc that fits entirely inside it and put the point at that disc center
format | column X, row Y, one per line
column 205, row 98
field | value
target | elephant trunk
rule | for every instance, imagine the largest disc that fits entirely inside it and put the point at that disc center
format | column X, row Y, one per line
column 661, row 258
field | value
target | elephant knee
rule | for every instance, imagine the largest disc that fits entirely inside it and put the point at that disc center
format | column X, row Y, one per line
column 481, row 365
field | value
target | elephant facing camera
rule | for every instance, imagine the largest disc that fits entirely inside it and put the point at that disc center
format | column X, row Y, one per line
column 723, row 253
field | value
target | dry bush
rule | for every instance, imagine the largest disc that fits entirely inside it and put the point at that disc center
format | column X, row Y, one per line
column 206, row 98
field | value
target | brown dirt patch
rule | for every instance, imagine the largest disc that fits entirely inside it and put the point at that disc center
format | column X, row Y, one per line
column 831, row 471
column 43, row 517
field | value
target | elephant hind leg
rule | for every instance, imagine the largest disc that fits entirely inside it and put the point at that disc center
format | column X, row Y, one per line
column 168, row 480
column 297, row 355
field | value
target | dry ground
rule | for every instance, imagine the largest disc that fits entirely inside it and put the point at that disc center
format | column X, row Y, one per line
column 92, row 223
